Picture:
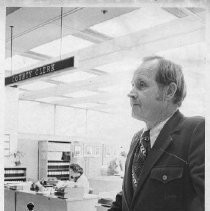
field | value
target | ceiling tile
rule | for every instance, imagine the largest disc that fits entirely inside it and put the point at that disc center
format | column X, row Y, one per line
column 69, row 44
column 125, row 66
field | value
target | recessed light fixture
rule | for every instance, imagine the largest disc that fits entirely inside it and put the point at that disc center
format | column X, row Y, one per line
column 69, row 44
column 125, row 66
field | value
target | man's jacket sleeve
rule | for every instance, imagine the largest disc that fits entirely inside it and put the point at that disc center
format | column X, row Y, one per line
column 196, row 160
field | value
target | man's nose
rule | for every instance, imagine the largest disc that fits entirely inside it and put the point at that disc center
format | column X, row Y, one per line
column 132, row 94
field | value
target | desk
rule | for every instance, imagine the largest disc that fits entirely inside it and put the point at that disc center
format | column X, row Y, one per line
column 50, row 203
column 9, row 200
column 101, row 208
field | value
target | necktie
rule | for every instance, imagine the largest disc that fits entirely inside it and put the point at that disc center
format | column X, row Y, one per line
column 140, row 154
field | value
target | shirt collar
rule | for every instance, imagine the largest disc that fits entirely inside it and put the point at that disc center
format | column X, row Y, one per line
column 158, row 127
column 155, row 131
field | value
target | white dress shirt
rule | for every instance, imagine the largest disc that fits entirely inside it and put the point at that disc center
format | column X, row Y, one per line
column 155, row 131
column 83, row 182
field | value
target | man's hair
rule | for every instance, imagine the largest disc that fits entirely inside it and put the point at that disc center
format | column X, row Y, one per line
column 168, row 72
column 76, row 168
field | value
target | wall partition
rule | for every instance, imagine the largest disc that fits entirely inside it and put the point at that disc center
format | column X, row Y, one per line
column 2, row 56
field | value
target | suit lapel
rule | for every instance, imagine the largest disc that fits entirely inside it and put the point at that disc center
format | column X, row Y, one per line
column 152, row 158
column 128, row 188
column 161, row 144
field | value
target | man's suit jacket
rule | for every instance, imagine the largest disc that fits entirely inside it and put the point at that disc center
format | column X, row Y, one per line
column 173, row 174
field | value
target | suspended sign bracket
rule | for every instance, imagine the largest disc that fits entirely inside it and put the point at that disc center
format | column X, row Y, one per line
column 40, row 71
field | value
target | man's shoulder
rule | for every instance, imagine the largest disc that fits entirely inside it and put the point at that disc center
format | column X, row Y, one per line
column 193, row 123
column 195, row 120
column 136, row 136
column 138, row 133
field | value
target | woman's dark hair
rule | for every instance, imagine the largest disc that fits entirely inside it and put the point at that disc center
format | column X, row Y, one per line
column 76, row 168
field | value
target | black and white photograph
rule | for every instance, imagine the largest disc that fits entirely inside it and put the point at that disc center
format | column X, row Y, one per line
column 103, row 105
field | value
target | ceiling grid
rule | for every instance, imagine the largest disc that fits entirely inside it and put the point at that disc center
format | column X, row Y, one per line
column 108, row 44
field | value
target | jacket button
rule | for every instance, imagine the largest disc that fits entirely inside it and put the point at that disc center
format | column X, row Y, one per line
column 164, row 177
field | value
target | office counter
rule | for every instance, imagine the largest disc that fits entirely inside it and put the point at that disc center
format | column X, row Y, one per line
column 20, row 199
column 9, row 200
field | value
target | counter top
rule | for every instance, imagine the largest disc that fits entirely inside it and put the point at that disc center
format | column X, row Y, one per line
column 85, row 197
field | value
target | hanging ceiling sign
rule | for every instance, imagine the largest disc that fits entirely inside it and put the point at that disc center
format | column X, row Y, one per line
column 40, row 71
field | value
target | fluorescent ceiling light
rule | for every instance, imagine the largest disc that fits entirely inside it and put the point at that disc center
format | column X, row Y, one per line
column 51, row 99
column 84, row 93
column 37, row 85
column 75, row 76
column 126, row 66
column 69, row 44
column 19, row 62
column 134, row 21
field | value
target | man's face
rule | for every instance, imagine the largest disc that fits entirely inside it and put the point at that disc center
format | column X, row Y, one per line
column 146, row 99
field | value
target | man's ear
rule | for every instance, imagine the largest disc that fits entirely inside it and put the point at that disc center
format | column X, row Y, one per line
column 171, row 90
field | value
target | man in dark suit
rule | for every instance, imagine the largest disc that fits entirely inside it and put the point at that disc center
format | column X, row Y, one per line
column 164, row 170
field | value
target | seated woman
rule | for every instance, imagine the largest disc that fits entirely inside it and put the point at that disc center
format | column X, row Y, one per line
column 77, row 175
column 76, row 178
